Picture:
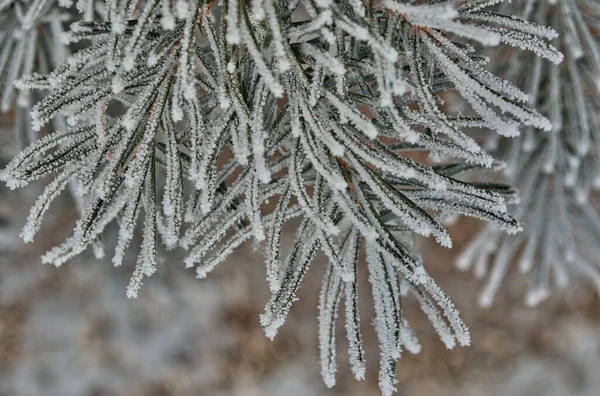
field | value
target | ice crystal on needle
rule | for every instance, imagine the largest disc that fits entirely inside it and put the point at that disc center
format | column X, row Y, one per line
column 195, row 113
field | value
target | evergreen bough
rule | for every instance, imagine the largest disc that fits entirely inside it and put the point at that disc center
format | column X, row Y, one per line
column 195, row 114
column 556, row 170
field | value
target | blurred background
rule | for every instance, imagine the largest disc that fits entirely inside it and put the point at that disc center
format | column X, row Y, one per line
column 72, row 331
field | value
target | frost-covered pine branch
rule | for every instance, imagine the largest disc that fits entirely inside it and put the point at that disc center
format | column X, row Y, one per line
column 30, row 42
column 190, row 116
column 554, row 170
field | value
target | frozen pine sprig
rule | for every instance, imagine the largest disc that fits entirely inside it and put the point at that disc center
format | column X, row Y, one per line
column 30, row 43
column 211, row 123
column 556, row 170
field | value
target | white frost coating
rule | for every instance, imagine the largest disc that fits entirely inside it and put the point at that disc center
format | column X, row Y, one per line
column 43, row 202
column 233, row 31
column 329, row 299
column 234, row 109
column 439, row 325
column 356, row 351
column 147, row 260
column 253, row 208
